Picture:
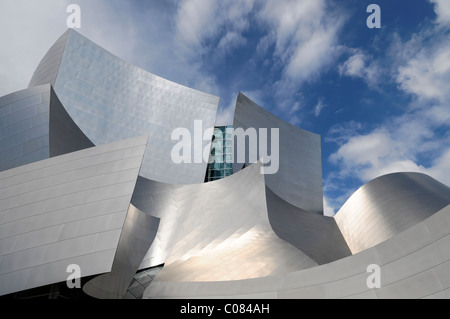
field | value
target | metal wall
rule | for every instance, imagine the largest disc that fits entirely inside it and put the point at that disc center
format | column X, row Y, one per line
column 137, row 235
column 215, row 231
column 35, row 126
column 387, row 206
column 316, row 235
column 110, row 100
column 24, row 123
column 299, row 178
column 248, row 235
column 48, row 68
column 65, row 210
column 413, row 264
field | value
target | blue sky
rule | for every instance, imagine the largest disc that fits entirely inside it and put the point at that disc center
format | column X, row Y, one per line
column 379, row 98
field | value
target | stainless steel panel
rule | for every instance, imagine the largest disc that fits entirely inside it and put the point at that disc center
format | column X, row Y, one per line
column 387, row 206
column 299, row 177
column 233, row 241
column 111, row 100
column 48, row 68
column 53, row 218
column 137, row 235
column 316, row 235
column 418, row 274
column 35, row 126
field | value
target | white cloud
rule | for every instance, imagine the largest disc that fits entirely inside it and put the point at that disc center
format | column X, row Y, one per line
column 442, row 10
column 328, row 210
column 394, row 147
column 415, row 140
column 230, row 41
column 147, row 38
column 312, row 55
column 427, row 74
column 363, row 151
column 441, row 168
column 361, row 66
column 319, row 107
column 294, row 21
column 205, row 28
column 354, row 66
column 198, row 21
column 340, row 133
column 27, row 30
column 195, row 20
column 305, row 36
column 225, row 116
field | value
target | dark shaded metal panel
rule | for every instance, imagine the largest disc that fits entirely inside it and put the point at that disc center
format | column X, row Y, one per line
column 65, row 136
column 317, row 236
column 389, row 205
column 299, row 178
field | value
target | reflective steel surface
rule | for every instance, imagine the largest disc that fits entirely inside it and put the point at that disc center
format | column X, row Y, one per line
column 24, row 124
column 66, row 210
column 414, row 263
column 389, row 205
column 299, row 178
column 316, row 235
column 137, row 235
column 111, row 100
column 117, row 208
column 215, row 231
column 35, row 126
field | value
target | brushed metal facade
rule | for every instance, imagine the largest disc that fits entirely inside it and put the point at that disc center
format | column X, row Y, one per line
column 24, row 122
column 316, row 235
column 117, row 208
column 35, row 126
column 215, row 231
column 48, row 68
column 387, row 206
column 137, row 235
column 110, row 100
column 413, row 264
column 65, row 210
column 299, row 178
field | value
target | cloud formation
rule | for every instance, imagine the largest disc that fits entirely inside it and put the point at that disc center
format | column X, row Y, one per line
column 28, row 30
column 442, row 10
column 416, row 140
column 361, row 66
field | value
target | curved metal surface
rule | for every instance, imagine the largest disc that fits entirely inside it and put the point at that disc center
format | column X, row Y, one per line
column 35, row 126
column 137, row 235
column 64, row 135
column 387, row 206
column 247, row 235
column 215, row 231
column 111, row 100
column 24, row 122
column 413, row 264
column 316, row 235
column 48, row 68
column 299, row 177
column 65, row 210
